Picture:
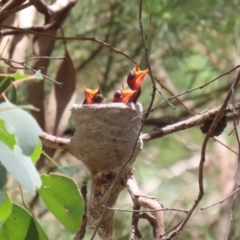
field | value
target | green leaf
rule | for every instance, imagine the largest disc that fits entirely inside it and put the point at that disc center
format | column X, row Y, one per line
column 20, row 167
column 6, row 135
column 5, row 82
column 12, row 95
column 2, row 194
column 37, row 152
column 18, row 76
column 25, row 127
column 62, row 197
column 21, row 225
column 3, row 176
column 5, row 209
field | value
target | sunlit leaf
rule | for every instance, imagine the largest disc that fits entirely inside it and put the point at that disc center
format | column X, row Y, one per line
column 62, row 197
column 18, row 76
column 5, row 208
column 21, row 225
column 6, row 135
column 20, row 167
column 25, row 127
column 37, row 152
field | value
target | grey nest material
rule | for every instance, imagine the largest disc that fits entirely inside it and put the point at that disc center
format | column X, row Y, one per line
column 106, row 134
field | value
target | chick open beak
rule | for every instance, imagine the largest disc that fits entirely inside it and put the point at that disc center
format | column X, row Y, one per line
column 93, row 95
column 136, row 77
column 123, row 96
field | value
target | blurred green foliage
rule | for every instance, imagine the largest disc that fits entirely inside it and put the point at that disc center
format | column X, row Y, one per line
column 192, row 42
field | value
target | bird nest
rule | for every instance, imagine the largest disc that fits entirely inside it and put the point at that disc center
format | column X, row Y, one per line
column 107, row 135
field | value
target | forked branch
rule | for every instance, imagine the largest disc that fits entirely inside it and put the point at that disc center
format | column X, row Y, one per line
column 156, row 217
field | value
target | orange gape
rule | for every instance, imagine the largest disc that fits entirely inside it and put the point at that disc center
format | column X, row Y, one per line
column 124, row 96
column 136, row 77
column 135, row 80
column 93, row 96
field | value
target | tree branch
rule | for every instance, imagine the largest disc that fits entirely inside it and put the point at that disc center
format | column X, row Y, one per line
column 51, row 141
column 62, row 143
column 157, row 221
column 188, row 123
column 135, row 217
column 11, row 7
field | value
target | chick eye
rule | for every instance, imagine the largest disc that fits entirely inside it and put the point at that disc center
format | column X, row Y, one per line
column 130, row 75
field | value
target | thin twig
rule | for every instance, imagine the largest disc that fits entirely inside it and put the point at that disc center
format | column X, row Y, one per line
column 238, row 171
column 11, row 7
column 29, row 68
column 222, row 201
column 196, row 88
column 202, row 160
column 146, row 202
column 153, row 210
column 43, row 57
column 92, row 39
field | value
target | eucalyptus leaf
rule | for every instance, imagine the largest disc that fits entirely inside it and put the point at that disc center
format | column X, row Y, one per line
column 5, row 208
column 25, row 127
column 3, row 176
column 21, row 225
column 20, row 167
column 62, row 197
column 5, row 82
column 37, row 152
column 18, row 76
column 12, row 95
column 6, row 134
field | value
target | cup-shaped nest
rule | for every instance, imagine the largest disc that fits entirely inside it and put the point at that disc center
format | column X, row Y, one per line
column 106, row 134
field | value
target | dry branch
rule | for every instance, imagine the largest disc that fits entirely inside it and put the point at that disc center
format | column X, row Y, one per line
column 156, row 218
column 61, row 143
column 188, row 123
column 10, row 7
column 135, row 217
column 38, row 31
column 51, row 141
column 43, row 8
